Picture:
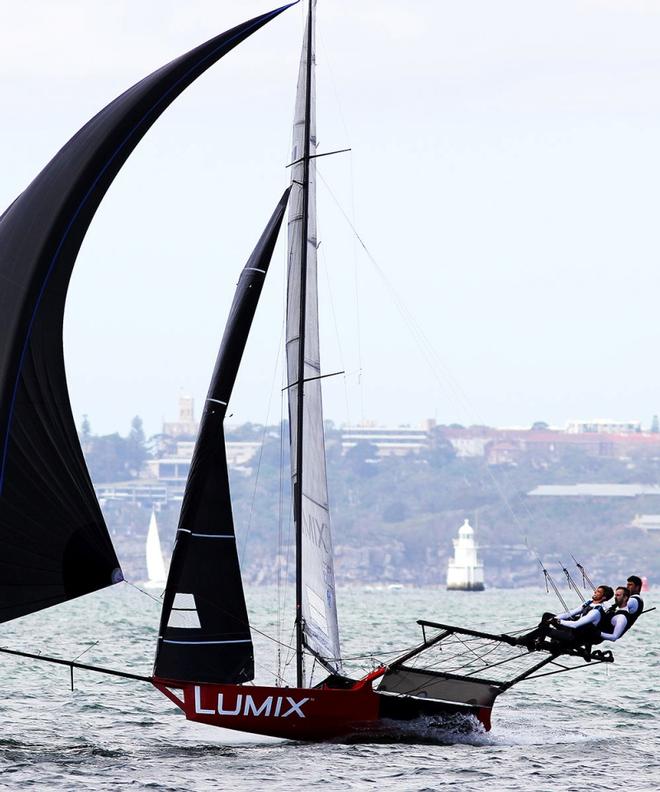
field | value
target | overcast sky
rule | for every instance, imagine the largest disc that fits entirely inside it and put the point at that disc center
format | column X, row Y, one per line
column 504, row 175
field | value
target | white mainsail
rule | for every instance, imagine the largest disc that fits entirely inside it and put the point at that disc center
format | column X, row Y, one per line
column 156, row 574
column 318, row 604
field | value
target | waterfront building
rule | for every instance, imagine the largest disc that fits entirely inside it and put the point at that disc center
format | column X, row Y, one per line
column 172, row 464
column 388, row 440
column 594, row 491
column 647, row 522
column 603, row 426
column 186, row 426
column 175, row 468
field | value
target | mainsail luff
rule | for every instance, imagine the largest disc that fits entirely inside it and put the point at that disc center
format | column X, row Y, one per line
column 316, row 612
column 300, row 385
column 204, row 632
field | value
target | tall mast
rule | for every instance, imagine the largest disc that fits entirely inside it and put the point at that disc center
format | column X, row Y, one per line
column 300, row 386
column 317, row 629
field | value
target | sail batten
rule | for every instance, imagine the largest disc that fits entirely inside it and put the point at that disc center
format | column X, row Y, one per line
column 318, row 608
column 48, row 508
column 204, row 631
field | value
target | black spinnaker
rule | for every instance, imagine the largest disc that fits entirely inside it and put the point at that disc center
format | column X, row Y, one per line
column 55, row 545
column 204, row 632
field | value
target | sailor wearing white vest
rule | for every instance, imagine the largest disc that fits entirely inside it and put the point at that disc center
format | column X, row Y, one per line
column 581, row 622
column 619, row 620
column 635, row 603
column 589, row 613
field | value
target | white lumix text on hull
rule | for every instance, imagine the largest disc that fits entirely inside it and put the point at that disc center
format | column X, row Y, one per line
column 244, row 704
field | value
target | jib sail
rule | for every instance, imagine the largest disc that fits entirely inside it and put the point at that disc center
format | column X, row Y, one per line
column 204, row 633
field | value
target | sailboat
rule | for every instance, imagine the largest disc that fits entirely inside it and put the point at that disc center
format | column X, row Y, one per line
column 55, row 545
column 156, row 574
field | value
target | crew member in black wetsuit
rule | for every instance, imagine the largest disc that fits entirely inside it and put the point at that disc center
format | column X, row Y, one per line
column 620, row 619
column 635, row 603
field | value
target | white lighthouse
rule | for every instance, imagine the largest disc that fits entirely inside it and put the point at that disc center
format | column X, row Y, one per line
column 465, row 572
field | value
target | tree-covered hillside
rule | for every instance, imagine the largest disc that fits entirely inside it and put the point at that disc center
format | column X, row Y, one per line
column 394, row 518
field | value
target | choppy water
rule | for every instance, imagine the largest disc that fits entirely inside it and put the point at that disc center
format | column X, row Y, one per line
column 591, row 729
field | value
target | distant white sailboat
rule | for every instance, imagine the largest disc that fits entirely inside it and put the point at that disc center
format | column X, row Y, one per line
column 156, row 573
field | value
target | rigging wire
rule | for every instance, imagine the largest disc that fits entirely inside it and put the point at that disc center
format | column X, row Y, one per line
column 291, row 654
column 280, row 538
column 549, row 581
column 142, row 591
column 585, row 578
column 282, row 574
column 437, row 368
column 377, row 657
column 572, row 584
column 84, row 651
column 442, row 376
column 261, row 449
column 278, row 679
column 337, row 336
column 356, row 286
column 220, row 609
column 357, row 338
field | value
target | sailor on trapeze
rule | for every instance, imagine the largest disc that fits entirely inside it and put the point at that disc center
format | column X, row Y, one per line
column 628, row 607
column 635, row 603
column 580, row 626
column 619, row 619
column 592, row 622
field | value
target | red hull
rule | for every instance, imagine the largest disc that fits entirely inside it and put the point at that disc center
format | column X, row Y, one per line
column 321, row 713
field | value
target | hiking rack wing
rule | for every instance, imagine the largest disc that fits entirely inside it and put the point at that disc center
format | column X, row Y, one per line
column 509, row 639
column 484, row 656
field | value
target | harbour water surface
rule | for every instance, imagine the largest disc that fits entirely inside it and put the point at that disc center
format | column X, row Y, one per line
column 596, row 728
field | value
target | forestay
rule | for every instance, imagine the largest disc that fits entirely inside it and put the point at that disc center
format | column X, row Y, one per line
column 318, row 605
